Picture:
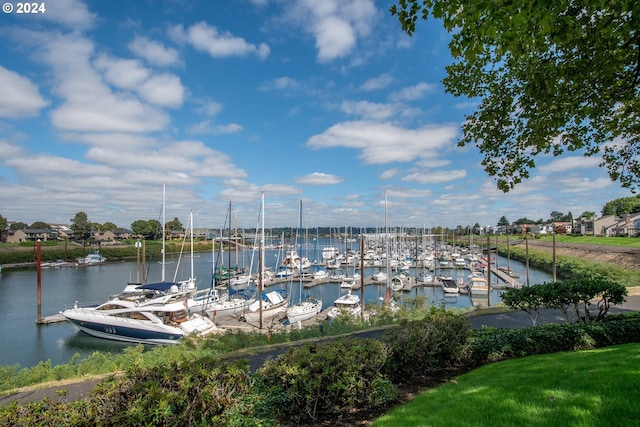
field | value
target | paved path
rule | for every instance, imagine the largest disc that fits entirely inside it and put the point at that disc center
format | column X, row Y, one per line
column 69, row 391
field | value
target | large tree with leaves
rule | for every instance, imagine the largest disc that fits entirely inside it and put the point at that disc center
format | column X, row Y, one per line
column 551, row 77
column 80, row 226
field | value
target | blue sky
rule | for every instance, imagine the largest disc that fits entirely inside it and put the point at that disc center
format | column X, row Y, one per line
column 328, row 102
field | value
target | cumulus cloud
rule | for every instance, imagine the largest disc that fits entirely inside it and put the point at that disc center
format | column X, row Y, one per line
column 382, row 143
column 435, row 177
column 208, row 127
column 218, row 44
column 569, row 163
column 369, row 110
column 20, row 97
column 335, row 25
column 412, row 93
column 318, row 178
column 155, row 53
column 73, row 14
column 88, row 103
column 164, row 90
column 380, row 82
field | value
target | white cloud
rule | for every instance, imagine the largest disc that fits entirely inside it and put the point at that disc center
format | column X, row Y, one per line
column 335, row 25
column 435, row 177
column 122, row 73
column 88, row 104
column 565, row 164
column 382, row 143
column 413, row 93
column 208, row 107
column 70, row 13
column 20, row 97
column 318, row 178
column 369, row 110
column 164, row 90
column 208, row 127
column 218, row 44
column 155, row 53
column 380, row 82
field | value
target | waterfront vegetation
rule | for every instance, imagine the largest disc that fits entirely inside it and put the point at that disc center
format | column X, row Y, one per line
column 586, row 388
column 164, row 385
column 335, row 380
column 201, row 383
column 570, row 267
column 25, row 253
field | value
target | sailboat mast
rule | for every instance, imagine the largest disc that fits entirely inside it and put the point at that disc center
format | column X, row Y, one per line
column 261, row 256
column 387, row 296
column 164, row 186
column 229, row 251
column 300, row 249
column 191, row 231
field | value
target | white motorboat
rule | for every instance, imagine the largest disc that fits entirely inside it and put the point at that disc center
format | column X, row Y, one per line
column 347, row 283
column 320, row 274
column 92, row 258
column 449, row 286
column 161, row 320
column 348, row 304
column 478, row 285
column 329, row 253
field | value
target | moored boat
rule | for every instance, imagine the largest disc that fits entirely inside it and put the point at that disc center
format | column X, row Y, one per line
column 162, row 320
column 348, row 304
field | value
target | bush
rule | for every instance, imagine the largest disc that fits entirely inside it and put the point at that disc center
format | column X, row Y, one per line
column 430, row 345
column 568, row 296
column 195, row 393
column 491, row 345
column 325, row 381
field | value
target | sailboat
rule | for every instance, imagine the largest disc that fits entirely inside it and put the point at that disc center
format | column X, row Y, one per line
column 311, row 306
column 268, row 304
column 214, row 304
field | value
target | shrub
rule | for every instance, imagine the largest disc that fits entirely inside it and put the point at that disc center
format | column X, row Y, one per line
column 325, row 381
column 196, row 393
column 435, row 343
column 568, row 296
column 490, row 345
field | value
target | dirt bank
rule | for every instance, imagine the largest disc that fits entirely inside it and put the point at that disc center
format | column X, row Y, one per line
column 624, row 256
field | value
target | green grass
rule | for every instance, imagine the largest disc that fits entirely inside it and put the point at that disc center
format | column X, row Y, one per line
column 578, row 389
column 594, row 240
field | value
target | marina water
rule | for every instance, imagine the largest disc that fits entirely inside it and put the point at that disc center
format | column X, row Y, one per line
column 26, row 343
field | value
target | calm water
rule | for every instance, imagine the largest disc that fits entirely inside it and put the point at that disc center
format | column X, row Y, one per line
column 25, row 343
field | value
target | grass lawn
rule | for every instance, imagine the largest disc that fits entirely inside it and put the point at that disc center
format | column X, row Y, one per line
column 579, row 389
column 594, row 240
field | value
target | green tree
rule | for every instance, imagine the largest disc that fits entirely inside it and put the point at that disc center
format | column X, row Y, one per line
column 588, row 215
column 622, row 206
column 108, row 226
column 552, row 77
column 503, row 221
column 174, row 225
column 149, row 229
column 18, row 226
column 40, row 225
column 558, row 216
column 3, row 228
column 80, row 226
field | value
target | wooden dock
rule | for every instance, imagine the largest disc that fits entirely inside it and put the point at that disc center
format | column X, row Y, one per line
column 55, row 318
